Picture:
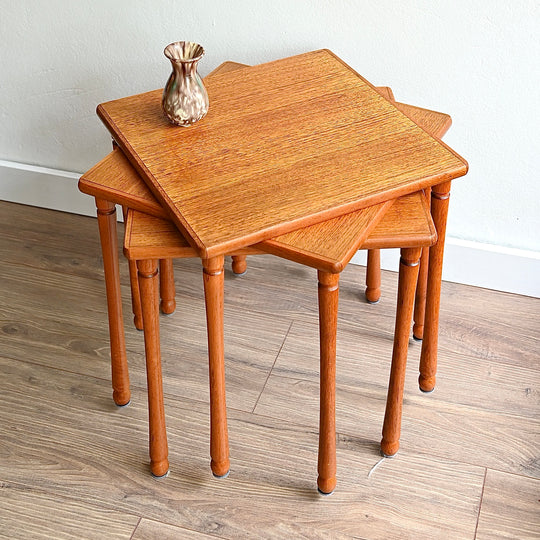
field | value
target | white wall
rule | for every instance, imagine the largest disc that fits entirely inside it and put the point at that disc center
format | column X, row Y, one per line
column 476, row 60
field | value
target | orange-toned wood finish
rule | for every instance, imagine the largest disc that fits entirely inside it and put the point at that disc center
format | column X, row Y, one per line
column 148, row 283
column 239, row 264
column 408, row 274
column 328, row 314
column 135, row 295
column 218, row 185
column 420, row 297
column 407, row 222
column 106, row 216
column 113, row 181
column 436, row 124
column 166, row 287
column 133, row 283
column 392, row 157
column 373, row 276
column 213, row 294
column 440, row 198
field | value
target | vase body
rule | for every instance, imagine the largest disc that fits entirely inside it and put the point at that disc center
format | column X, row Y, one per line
column 184, row 100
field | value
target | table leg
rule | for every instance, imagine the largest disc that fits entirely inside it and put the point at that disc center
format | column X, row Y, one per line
column 148, row 283
column 408, row 274
column 239, row 264
column 106, row 216
column 135, row 296
column 373, row 276
column 134, row 286
column 166, row 286
column 328, row 313
column 421, row 287
column 420, row 298
column 440, row 196
column 213, row 277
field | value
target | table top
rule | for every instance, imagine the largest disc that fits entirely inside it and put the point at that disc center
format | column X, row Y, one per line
column 285, row 145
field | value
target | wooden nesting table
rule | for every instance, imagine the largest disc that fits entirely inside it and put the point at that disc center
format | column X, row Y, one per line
column 285, row 145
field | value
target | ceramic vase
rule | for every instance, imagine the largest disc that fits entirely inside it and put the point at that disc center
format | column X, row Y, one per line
column 184, row 100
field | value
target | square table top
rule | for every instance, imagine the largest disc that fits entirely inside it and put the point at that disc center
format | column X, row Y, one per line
column 285, row 145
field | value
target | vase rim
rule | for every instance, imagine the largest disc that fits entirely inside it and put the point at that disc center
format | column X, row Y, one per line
column 183, row 51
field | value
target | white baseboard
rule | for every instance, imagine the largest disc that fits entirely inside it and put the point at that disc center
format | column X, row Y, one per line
column 471, row 263
column 482, row 265
column 46, row 188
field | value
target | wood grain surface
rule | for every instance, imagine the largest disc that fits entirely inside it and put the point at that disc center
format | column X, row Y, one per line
column 285, row 144
column 75, row 466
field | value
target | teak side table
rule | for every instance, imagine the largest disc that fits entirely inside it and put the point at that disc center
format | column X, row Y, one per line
column 406, row 225
column 285, row 145
column 297, row 142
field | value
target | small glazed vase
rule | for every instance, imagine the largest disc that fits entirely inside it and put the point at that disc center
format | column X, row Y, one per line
column 184, row 100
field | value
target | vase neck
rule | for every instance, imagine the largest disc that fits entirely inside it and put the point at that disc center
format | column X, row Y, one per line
column 185, row 69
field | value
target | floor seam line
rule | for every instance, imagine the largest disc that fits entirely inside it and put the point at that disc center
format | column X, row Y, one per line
column 480, row 504
column 272, row 368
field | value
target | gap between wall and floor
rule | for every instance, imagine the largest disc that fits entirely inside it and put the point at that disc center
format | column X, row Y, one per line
column 487, row 265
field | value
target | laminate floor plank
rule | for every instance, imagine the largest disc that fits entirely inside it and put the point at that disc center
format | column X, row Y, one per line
column 510, row 508
column 470, row 316
column 155, row 530
column 60, row 432
column 32, row 514
column 40, row 319
column 479, row 413
column 72, row 462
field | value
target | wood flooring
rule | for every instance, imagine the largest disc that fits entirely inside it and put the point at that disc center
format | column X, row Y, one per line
column 73, row 465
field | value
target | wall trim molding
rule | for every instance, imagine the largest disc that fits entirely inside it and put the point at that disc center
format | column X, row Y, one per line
column 487, row 265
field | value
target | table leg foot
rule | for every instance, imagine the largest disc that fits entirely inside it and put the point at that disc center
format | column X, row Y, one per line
column 122, row 405
column 373, row 276
column 239, row 264
column 159, row 477
column 427, row 386
column 213, row 466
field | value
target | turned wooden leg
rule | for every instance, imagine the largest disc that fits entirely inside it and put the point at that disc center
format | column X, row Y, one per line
column 166, row 286
column 148, row 283
column 135, row 296
column 421, row 287
column 328, row 313
column 373, row 276
column 106, row 216
column 213, row 277
column 440, row 196
column 134, row 286
column 408, row 274
column 420, row 297
column 239, row 264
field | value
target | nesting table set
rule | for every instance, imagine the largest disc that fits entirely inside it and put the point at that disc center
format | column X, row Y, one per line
column 301, row 158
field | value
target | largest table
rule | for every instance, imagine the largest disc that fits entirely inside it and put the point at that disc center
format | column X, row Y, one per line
column 284, row 145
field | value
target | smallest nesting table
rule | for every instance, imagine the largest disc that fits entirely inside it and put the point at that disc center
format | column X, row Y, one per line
column 406, row 225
